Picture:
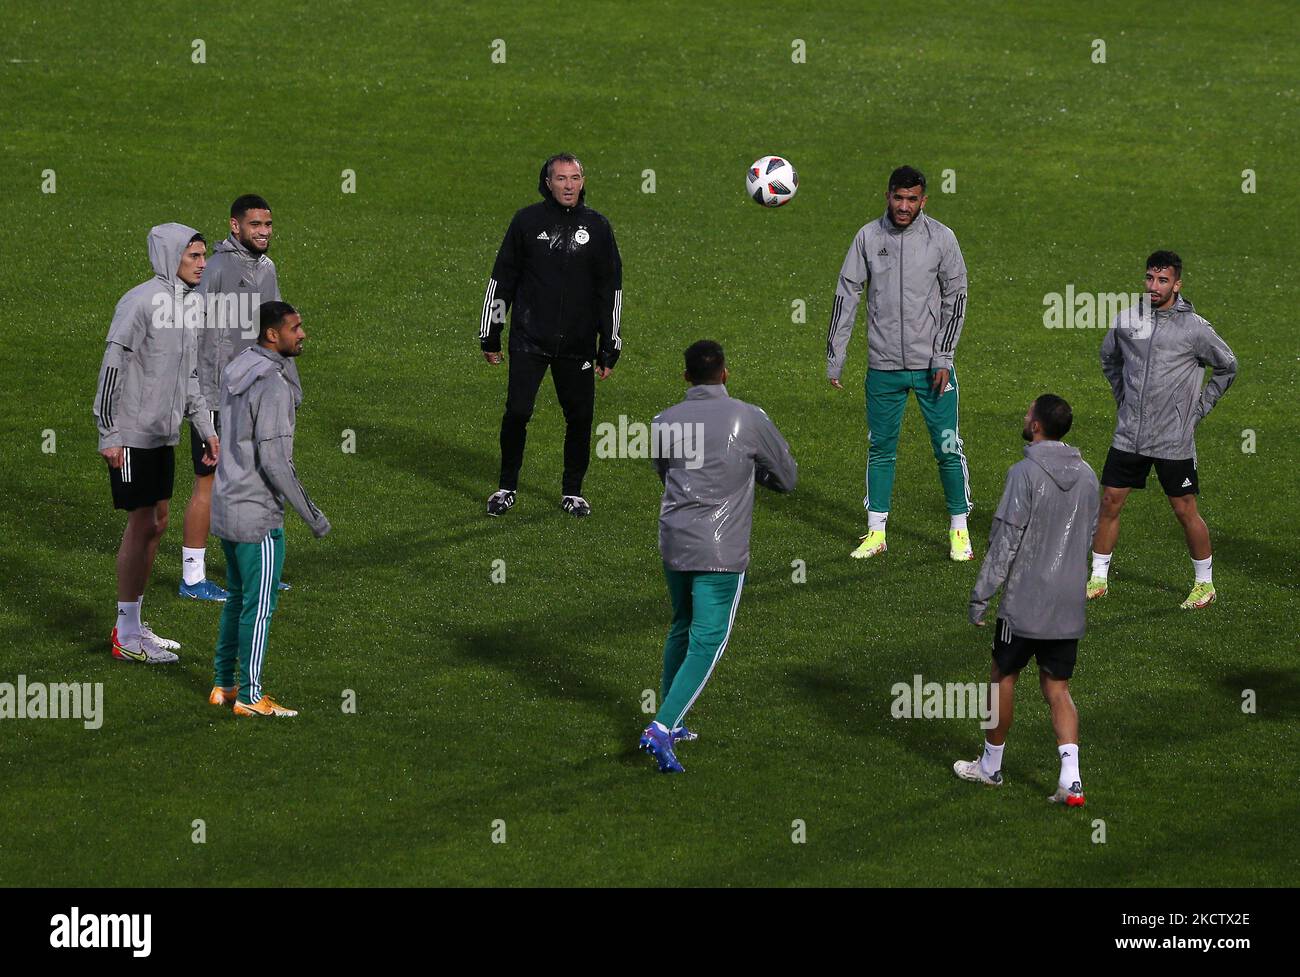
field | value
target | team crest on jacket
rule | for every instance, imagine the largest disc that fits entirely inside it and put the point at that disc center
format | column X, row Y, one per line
column 581, row 235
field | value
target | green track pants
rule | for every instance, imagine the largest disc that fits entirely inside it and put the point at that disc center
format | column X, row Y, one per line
column 253, row 580
column 704, row 609
column 886, row 397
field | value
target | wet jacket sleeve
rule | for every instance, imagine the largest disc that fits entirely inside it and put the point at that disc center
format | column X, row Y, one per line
column 124, row 338
column 952, row 287
column 1009, row 524
column 500, row 294
column 854, row 276
column 1213, row 352
column 273, row 437
column 774, row 466
column 609, row 304
column 1112, row 364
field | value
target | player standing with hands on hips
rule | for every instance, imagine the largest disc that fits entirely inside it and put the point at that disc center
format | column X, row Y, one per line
column 704, row 523
column 559, row 269
column 915, row 277
column 1038, row 555
column 260, row 397
column 1155, row 361
column 147, row 379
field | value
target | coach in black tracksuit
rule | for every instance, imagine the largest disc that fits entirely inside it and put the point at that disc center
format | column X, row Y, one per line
column 560, row 270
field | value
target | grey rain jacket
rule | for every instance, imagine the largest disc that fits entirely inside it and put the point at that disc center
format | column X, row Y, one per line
column 1039, row 545
column 148, row 377
column 235, row 282
column 706, row 512
column 1155, row 365
column 916, row 296
column 255, row 474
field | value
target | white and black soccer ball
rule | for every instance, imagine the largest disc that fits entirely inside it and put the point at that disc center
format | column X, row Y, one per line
column 772, row 181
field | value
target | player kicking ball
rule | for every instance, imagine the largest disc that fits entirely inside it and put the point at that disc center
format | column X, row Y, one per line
column 1155, row 363
column 1038, row 555
column 704, row 524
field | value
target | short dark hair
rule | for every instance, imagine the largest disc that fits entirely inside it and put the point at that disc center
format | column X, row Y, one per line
column 563, row 158
column 705, row 362
column 1054, row 414
column 249, row 201
column 197, row 237
column 1166, row 259
column 906, row 177
column 270, row 315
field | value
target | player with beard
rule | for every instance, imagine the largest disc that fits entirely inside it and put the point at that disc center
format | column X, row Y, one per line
column 240, row 276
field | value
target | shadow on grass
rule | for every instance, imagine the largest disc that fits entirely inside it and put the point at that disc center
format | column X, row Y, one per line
column 1277, row 692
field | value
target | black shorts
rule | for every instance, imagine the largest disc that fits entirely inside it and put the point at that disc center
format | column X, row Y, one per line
column 145, row 478
column 1124, row 469
column 1011, row 652
column 197, row 449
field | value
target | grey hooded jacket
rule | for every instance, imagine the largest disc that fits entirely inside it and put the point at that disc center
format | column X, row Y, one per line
column 916, row 296
column 711, row 449
column 1155, row 364
column 1039, row 545
column 147, row 378
column 235, row 282
column 255, row 474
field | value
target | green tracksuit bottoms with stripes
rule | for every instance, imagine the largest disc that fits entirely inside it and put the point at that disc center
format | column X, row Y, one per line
column 704, row 609
column 253, row 580
column 886, row 398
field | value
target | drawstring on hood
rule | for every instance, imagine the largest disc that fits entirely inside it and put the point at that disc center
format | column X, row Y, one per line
column 167, row 243
column 1062, row 463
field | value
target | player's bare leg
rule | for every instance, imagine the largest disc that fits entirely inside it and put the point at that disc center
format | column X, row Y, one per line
column 144, row 531
column 1107, row 535
column 988, row 768
column 198, row 513
column 1198, row 545
column 1065, row 723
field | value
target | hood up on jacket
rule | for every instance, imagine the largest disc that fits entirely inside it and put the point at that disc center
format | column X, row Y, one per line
column 545, row 191
column 1062, row 463
column 167, row 244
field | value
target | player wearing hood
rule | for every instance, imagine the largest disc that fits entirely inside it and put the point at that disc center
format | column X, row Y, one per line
column 1038, row 556
column 559, row 270
column 148, row 379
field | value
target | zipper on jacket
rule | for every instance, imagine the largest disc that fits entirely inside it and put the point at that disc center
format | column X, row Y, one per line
column 902, row 334
column 1146, row 372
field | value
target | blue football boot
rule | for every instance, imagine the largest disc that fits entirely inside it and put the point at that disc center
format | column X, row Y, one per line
column 659, row 744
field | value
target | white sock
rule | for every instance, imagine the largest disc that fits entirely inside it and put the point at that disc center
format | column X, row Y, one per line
column 128, row 621
column 956, row 522
column 1069, row 764
column 193, row 566
column 1203, row 569
column 876, row 520
column 991, row 760
column 1101, row 564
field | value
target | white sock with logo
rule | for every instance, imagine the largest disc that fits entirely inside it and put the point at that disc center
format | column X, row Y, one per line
column 1203, row 570
column 1069, row 764
column 128, row 621
column 876, row 520
column 193, row 564
column 957, row 522
column 1101, row 564
column 991, row 760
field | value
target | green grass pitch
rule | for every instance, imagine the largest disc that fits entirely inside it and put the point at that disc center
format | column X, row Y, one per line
column 520, row 702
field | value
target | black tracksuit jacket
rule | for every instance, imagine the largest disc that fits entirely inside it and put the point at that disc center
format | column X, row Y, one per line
column 560, row 271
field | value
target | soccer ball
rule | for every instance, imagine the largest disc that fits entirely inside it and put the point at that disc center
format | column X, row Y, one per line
column 771, row 181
